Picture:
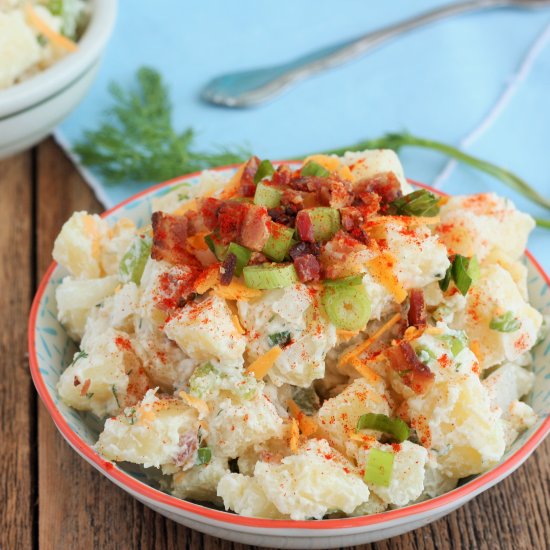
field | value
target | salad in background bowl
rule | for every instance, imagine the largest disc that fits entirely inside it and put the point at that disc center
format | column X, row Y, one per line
column 328, row 352
column 49, row 55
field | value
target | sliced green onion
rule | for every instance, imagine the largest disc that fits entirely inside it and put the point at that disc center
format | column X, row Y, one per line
column 473, row 270
column 267, row 196
column 204, row 455
column 268, row 276
column 133, row 262
column 279, row 242
column 242, row 254
column 379, row 468
column 217, row 247
column 347, row 308
column 265, row 169
column 279, row 338
column 395, row 427
column 55, row 7
column 325, row 222
column 314, row 169
column 425, row 354
column 352, row 280
column 446, row 281
column 460, row 275
column 505, row 323
column 417, row 203
column 456, row 343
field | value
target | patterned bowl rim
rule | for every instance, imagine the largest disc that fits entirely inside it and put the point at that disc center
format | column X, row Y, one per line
column 456, row 496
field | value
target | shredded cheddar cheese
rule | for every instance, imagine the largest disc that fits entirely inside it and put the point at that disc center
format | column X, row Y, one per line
column 294, row 437
column 237, row 323
column 363, row 346
column 236, row 291
column 232, row 187
column 307, row 425
column 260, row 367
column 365, row 371
column 198, row 404
column 43, row 28
column 192, row 204
column 208, row 280
column 197, row 241
column 382, row 268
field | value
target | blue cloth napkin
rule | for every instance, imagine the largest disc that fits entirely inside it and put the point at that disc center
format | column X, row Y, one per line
column 441, row 81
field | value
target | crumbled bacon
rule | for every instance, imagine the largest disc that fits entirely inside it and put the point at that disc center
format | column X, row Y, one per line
column 385, row 185
column 175, row 288
column 301, row 249
column 254, row 232
column 247, row 185
column 230, row 220
column 228, row 269
column 282, row 215
column 282, row 176
column 417, row 308
column 351, row 218
column 169, row 239
column 257, row 258
column 209, row 209
column 293, row 199
column 404, row 361
column 307, row 268
column 188, row 445
column 305, row 227
column 330, row 191
column 76, row 381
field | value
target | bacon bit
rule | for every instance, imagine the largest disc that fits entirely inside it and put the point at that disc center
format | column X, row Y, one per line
column 209, row 278
column 209, row 208
column 305, row 227
column 282, row 176
column 76, row 381
column 417, row 316
column 382, row 268
column 247, row 185
column 260, row 367
column 307, row 425
column 385, row 185
column 302, row 249
column 404, row 361
column 187, row 447
column 363, row 346
column 227, row 269
column 85, row 387
column 237, row 323
column 198, row 404
column 294, row 436
column 308, row 268
column 237, row 291
column 254, row 232
column 230, row 220
column 169, row 239
column 123, row 343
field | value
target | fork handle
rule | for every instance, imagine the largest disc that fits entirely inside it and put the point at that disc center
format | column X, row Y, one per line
column 337, row 54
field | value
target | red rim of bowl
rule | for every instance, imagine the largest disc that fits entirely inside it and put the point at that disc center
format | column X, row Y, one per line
column 454, row 496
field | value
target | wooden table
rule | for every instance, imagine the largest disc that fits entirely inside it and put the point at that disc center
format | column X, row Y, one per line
column 51, row 499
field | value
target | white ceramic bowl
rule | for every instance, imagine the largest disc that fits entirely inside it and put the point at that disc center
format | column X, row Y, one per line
column 31, row 109
column 50, row 350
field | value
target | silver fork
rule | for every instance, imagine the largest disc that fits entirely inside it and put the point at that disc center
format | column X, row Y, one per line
column 247, row 88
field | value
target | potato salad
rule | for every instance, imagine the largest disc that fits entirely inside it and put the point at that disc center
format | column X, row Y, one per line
column 34, row 34
column 303, row 342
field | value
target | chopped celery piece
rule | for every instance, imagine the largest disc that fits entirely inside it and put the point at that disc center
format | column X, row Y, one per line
column 314, row 169
column 217, row 247
column 204, row 455
column 352, row 280
column 279, row 242
column 265, row 169
column 133, row 262
column 505, row 323
column 267, row 196
column 242, row 254
column 279, row 338
column 347, row 308
column 391, row 426
column 325, row 221
column 379, row 467
column 267, row 276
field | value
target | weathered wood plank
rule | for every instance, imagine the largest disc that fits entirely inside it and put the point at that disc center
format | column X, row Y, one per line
column 81, row 509
column 17, row 397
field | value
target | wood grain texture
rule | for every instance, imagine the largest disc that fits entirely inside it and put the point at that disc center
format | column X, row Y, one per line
column 77, row 507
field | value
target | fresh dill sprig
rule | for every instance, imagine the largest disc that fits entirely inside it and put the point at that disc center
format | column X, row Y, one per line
column 137, row 142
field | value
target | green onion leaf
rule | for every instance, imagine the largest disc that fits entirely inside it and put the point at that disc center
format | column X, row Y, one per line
column 265, row 169
column 133, row 262
column 204, row 455
column 279, row 338
column 460, row 274
column 279, row 242
column 444, row 283
column 268, row 276
column 267, row 196
column 417, row 203
column 314, row 169
column 242, row 254
column 395, row 427
column 347, row 308
column 352, row 280
column 456, row 343
column 379, row 468
column 505, row 323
